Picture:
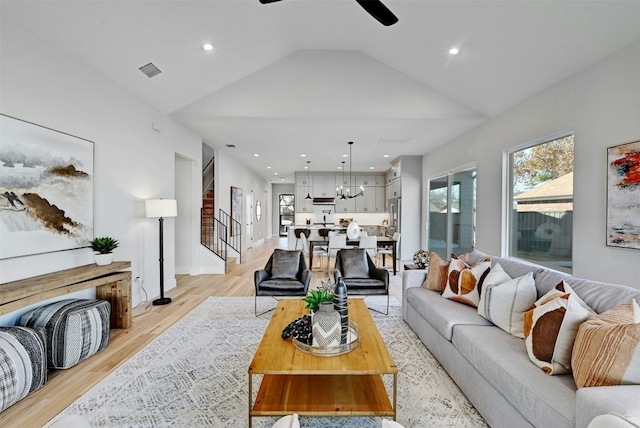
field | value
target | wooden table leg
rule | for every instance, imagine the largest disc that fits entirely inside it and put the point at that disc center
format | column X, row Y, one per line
column 310, row 255
column 394, row 257
column 250, row 399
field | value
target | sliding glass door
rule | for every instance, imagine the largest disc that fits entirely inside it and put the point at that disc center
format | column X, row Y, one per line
column 451, row 219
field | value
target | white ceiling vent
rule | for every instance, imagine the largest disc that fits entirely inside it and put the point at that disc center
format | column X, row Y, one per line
column 150, row 70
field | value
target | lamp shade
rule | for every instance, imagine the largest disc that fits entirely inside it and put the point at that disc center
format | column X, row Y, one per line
column 161, row 208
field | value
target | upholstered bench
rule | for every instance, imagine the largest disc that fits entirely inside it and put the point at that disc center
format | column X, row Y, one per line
column 23, row 363
column 76, row 329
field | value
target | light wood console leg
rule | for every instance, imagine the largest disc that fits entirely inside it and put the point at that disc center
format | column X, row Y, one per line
column 118, row 294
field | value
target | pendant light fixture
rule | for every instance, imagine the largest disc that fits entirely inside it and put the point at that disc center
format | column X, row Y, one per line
column 308, row 168
column 340, row 191
column 349, row 195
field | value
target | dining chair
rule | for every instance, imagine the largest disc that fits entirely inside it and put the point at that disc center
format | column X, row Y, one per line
column 336, row 243
column 369, row 243
column 318, row 251
column 388, row 250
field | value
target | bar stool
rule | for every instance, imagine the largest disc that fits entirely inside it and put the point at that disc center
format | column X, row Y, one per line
column 298, row 232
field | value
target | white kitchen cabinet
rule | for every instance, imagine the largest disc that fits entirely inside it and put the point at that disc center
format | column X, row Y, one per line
column 365, row 180
column 366, row 203
column 303, row 180
column 381, row 199
column 324, row 186
column 345, row 205
column 303, row 205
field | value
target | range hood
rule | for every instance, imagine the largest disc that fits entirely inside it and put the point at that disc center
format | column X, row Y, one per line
column 324, row 201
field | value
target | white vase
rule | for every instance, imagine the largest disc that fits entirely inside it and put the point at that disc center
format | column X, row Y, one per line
column 353, row 230
column 103, row 259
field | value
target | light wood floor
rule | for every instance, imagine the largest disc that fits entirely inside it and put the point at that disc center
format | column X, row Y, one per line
column 65, row 386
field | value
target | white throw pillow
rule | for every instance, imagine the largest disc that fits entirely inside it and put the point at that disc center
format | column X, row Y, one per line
column 289, row 421
column 504, row 303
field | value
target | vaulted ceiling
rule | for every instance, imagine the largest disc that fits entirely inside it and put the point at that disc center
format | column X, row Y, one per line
column 307, row 76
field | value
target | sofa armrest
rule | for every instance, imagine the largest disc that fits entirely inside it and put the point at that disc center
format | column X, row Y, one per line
column 259, row 276
column 410, row 279
column 599, row 400
column 306, row 279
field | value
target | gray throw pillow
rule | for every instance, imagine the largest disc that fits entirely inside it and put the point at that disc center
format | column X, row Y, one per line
column 354, row 263
column 285, row 264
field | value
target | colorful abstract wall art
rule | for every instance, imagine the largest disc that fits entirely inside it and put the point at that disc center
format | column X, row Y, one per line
column 46, row 190
column 623, row 196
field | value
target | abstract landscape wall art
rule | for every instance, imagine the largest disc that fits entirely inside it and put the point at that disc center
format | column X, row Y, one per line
column 236, row 211
column 623, row 196
column 46, row 190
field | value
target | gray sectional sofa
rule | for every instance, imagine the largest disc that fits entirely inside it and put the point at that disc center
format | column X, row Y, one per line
column 492, row 367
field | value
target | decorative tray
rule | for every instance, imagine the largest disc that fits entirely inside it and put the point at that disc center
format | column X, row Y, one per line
column 353, row 340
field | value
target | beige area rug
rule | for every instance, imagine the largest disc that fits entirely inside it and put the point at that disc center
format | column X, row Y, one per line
column 195, row 375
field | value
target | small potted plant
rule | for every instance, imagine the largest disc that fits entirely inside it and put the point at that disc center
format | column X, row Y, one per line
column 104, row 247
column 324, row 293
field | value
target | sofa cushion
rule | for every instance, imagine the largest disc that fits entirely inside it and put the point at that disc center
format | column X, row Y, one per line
column 76, row 329
column 464, row 282
column 23, row 363
column 607, row 348
column 441, row 313
column 285, row 264
column 546, row 401
column 354, row 263
column 550, row 328
column 436, row 273
column 291, row 286
column 504, row 300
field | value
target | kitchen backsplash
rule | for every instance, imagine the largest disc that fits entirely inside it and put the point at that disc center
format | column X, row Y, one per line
column 360, row 218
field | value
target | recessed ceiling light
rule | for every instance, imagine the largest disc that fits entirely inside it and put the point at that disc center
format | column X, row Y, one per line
column 306, row 167
column 339, row 167
column 303, row 156
column 256, row 154
column 275, row 173
column 282, row 179
column 372, row 167
column 345, row 156
column 385, row 156
column 454, row 50
column 268, row 167
column 207, row 47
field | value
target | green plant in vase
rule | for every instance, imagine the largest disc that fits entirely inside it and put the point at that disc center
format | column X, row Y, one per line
column 104, row 247
column 324, row 293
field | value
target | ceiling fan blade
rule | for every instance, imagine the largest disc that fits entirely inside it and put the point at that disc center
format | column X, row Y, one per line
column 268, row 1
column 378, row 11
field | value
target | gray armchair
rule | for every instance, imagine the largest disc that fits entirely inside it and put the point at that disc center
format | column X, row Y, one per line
column 360, row 274
column 285, row 274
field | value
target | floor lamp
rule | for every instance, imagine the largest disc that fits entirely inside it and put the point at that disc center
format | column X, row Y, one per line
column 161, row 208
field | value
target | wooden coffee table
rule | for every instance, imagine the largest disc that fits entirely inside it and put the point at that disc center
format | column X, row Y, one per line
column 309, row 385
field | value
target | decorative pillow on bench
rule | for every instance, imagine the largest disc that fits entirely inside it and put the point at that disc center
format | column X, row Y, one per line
column 76, row 329
column 607, row 348
column 23, row 363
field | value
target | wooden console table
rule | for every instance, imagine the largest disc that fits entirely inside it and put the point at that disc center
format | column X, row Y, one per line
column 110, row 282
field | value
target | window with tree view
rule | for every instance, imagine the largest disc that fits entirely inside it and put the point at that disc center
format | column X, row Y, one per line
column 541, row 215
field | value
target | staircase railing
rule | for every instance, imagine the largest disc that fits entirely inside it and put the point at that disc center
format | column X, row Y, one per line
column 214, row 235
column 234, row 238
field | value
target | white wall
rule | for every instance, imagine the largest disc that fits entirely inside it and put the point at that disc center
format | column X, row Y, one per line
column 46, row 86
column 230, row 172
column 601, row 104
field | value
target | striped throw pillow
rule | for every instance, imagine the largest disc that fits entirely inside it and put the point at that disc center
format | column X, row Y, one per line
column 607, row 348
